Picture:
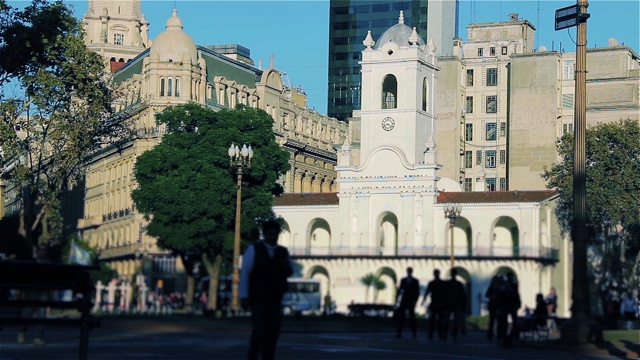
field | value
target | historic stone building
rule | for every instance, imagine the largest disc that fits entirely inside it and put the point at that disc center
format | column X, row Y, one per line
column 174, row 70
column 388, row 212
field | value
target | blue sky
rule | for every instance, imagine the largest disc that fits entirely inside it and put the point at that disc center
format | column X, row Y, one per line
column 296, row 32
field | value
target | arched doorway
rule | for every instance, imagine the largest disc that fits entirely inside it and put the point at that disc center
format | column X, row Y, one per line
column 387, row 295
column 462, row 239
column 505, row 237
column 319, row 237
column 285, row 237
column 388, row 234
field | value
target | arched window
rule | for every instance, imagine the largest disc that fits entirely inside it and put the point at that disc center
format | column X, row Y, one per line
column 389, row 92
column 177, row 87
column 169, row 86
column 425, row 94
column 161, row 86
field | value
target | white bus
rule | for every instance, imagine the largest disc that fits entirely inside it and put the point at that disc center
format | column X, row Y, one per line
column 303, row 296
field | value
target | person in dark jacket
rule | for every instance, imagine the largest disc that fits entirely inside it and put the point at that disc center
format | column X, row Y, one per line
column 456, row 303
column 436, row 289
column 408, row 294
column 491, row 295
column 508, row 305
column 265, row 269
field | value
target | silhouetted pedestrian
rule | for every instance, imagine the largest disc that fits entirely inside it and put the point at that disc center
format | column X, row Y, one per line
column 436, row 288
column 265, row 269
column 456, row 303
column 508, row 305
column 492, row 305
column 408, row 294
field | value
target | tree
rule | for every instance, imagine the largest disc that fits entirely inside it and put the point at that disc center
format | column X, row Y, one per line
column 187, row 188
column 613, row 199
column 378, row 285
column 368, row 280
column 61, row 114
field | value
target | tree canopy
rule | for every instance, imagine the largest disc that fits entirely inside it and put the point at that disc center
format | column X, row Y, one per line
column 59, row 114
column 187, row 188
column 613, row 196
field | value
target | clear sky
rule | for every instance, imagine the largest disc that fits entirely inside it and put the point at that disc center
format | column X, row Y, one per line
column 296, row 32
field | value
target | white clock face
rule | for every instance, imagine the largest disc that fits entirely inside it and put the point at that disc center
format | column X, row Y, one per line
column 388, row 124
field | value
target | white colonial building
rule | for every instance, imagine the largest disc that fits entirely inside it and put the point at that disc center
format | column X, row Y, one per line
column 388, row 212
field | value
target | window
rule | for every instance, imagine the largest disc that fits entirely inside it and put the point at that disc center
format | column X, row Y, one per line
column 177, row 87
column 492, row 76
column 503, row 156
column 389, row 92
column 469, row 77
column 469, row 106
column 492, row 104
column 503, row 184
column 491, row 131
column 169, row 86
column 504, row 50
column 480, row 52
column 118, row 39
column 478, row 157
column 568, row 72
column 567, row 127
column 467, row 184
column 356, row 55
column 492, row 51
column 490, row 159
column 161, row 86
column 503, row 129
column 468, row 159
column 491, row 184
column 425, row 93
column 468, row 132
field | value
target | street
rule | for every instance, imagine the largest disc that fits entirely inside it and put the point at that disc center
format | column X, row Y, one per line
column 165, row 338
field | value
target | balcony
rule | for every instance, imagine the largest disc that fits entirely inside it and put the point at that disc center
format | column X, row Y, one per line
column 474, row 253
column 93, row 221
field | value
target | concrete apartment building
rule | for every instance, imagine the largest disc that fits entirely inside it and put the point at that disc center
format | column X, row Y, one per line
column 513, row 103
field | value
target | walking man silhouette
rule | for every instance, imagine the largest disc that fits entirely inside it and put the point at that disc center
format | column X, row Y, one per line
column 436, row 289
column 408, row 294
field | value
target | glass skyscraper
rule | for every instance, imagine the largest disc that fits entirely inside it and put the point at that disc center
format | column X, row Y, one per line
column 349, row 21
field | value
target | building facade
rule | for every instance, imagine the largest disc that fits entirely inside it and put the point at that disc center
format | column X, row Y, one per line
column 504, row 105
column 173, row 71
column 349, row 22
column 388, row 212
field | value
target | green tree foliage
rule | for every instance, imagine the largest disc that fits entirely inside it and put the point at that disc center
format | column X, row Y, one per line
column 28, row 36
column 368, row 280
column 613, row 198
column 187, row 188
column 61, row 113
column 378, row 285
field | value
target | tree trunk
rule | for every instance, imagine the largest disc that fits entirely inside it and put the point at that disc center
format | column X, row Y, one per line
column 191, row 282
column 213, row 269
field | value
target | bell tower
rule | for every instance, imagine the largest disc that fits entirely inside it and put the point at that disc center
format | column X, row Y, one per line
column 117, row 30
column 398, row 97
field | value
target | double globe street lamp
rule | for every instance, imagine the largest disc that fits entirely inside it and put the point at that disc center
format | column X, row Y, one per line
column 241, row 160
column 452, row 212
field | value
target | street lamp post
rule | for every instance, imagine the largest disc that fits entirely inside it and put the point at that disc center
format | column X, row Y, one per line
column 452, row 212
column 240, row 159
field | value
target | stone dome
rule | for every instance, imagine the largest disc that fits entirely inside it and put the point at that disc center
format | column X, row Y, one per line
column 399, row 34
column 173, row 43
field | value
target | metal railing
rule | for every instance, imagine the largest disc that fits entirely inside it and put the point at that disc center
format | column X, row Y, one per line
column 522, row 252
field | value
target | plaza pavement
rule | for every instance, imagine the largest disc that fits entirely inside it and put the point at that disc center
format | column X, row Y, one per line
column 194, row 337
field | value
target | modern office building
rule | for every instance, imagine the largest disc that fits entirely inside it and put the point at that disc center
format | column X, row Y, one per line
column 349, row 22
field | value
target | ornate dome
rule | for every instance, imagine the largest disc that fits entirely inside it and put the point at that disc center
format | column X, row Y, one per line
column 399, row 34
column 173, row 43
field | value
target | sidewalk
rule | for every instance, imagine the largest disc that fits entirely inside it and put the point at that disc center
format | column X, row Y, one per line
column 620, row 343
